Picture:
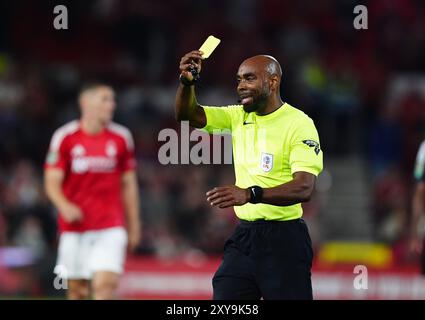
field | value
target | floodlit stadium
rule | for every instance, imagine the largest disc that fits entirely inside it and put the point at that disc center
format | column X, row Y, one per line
column 356, row 70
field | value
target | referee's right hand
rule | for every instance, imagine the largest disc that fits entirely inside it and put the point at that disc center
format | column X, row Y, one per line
column 70, row 212
column 190, row 60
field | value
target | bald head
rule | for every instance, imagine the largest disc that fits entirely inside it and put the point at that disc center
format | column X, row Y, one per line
column 265, row 63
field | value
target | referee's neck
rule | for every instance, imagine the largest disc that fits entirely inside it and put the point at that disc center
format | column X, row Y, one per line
column 272, row 105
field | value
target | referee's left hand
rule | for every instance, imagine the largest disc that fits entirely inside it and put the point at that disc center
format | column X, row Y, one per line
column 228, row 196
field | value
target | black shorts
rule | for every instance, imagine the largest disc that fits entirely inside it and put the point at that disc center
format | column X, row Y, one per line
column 266, row 259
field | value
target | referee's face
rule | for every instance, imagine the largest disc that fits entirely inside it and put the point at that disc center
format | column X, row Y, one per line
column 253, row 86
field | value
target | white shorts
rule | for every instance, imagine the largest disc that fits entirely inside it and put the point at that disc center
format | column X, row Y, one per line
column 81, row 254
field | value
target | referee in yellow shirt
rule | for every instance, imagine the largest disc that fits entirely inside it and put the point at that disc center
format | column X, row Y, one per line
column 277, row 157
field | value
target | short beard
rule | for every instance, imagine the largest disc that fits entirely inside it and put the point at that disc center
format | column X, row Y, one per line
column 258, row 103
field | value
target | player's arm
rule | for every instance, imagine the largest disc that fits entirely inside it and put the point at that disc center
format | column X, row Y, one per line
column 186, row 106
column 295, row 191
column 418, row 206
column 418, row 201
column 130, row 192
column 53, row 179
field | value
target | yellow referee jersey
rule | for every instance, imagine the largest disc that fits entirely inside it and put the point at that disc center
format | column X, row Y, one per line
column 267, row 150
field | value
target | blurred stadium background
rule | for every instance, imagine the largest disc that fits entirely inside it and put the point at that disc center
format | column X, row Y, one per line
column 365, row 90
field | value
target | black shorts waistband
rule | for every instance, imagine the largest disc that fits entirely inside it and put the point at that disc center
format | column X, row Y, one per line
column 246, row 223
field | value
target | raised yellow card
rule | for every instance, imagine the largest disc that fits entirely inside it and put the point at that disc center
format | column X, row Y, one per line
column 209, row 46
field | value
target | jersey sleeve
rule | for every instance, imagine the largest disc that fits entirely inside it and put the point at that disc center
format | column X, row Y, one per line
column 419, row 172
column 128, row 160
column 305, row 152
column 57, row 155
column 218, row 118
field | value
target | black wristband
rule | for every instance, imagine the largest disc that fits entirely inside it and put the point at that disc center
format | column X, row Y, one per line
column 195, row 76
column 256, row 193
column 184, row 81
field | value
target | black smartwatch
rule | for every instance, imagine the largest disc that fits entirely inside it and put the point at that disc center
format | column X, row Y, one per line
column 256, row 193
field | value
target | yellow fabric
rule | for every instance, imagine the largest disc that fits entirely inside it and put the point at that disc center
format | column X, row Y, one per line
column 267, row 151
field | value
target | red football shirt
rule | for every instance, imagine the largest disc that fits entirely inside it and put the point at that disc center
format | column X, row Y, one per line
column 93, row 166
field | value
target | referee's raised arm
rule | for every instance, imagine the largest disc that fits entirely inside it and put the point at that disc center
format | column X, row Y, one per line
column 187, row 108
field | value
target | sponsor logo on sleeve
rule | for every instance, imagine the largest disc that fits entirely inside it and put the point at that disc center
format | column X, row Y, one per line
column 313, row 144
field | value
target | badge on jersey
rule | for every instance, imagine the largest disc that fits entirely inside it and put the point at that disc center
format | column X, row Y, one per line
column 419, row 171
column 52, row 158
column 420, row 163
column 266, row 161
column 78, row 151
column 111, row 149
